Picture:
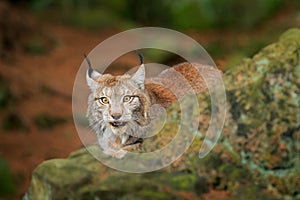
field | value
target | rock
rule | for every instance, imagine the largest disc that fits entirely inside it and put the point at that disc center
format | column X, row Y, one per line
column 62, row 178
column 80, row 176
column 257, row 156
column 264, row 125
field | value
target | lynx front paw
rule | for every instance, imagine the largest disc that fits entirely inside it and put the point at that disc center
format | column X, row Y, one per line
column 116, row 153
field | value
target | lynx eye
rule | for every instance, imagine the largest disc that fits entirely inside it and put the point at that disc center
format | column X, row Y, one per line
column 127, row 98
column 103, row 100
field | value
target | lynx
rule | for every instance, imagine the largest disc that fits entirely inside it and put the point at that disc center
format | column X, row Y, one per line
column 119, row 106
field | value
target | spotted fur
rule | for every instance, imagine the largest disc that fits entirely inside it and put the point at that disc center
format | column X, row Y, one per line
column 120, row 123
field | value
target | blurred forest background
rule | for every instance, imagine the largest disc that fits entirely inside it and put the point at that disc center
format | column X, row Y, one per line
column 42, row 43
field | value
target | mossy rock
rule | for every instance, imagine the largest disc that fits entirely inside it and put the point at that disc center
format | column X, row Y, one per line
column 264, row 109
column 261, row 141
column 257, row 156
column 82, row 177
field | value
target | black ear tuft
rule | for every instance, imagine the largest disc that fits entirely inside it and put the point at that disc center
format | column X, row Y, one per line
column 90, row 70
column 141, row 57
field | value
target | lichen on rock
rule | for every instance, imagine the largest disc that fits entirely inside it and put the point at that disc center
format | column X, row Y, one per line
column 257, row 156
column 264, row 105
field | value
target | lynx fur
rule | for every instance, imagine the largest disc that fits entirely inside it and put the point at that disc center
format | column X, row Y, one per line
column 119, row 106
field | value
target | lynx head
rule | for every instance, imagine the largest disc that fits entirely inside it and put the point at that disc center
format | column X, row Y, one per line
column 117, row 102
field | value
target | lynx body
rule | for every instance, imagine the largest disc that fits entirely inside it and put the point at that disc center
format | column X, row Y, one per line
column 119, row 106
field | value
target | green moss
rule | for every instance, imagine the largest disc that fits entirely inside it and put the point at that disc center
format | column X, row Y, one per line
column 291, row 36
column 264, row 110
column 202, row 185
column 212, row 161
column 262, row 94
column 252, row 192
column 235, row 173
column 152, row 194
column 183, row 181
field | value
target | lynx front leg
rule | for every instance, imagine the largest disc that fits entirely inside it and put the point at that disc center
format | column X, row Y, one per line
column 133, row 147
column 119, row 150
column 124, row 138
column 111, row 146
column 115, row 153
column 133, row 143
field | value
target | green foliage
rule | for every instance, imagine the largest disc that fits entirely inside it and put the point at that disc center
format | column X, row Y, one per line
column 149, row 13
column 13, row 121
column 238, row 48
column 6, row 184
column 237, row 13
column 5, row 94
column 5, row 97
column 200, row 14
column 158, row 56
column 36, row 45
column 45, row 121
column 189, row 14
column 90, row 14
column 92, row 19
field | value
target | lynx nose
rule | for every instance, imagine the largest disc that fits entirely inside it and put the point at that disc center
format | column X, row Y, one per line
column 116, row 116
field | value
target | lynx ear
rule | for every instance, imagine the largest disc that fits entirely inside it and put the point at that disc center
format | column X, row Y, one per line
column 91, row 75
column 139, row 77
